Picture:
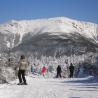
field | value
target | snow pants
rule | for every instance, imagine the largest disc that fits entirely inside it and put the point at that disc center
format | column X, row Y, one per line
column 21, row 76
column 71, row 74
column 58, row 75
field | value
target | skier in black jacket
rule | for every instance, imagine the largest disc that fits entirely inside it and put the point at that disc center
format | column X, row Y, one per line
column 71, row 69
column 59, row 71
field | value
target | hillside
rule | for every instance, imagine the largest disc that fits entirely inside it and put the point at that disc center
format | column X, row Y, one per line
column 49, row 37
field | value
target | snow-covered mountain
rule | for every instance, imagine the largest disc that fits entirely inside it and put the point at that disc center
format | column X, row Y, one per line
column 53, row 36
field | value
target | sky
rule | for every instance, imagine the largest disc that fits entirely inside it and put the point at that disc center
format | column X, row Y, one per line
column 85, row 10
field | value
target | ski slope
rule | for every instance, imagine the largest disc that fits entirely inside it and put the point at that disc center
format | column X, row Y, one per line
column 39, row 87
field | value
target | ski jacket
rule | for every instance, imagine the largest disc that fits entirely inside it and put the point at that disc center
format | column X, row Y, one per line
column 23, row 64
column 59, row 69
column 44, row 70
column 71, row 68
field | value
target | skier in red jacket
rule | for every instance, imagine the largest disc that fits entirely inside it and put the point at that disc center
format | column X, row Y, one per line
column 43, row 71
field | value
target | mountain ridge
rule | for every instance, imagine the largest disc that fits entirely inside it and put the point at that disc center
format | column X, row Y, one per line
column 15, row 34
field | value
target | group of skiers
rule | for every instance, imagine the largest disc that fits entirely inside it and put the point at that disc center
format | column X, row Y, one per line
column 23, row 64
column 71, row 71
column 36, row 69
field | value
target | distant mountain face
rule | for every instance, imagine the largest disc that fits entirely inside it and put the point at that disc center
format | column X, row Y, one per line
column 51, row 37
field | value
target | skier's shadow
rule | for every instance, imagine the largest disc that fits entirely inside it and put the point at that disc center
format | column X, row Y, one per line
column 90, row 83
column 90, row 80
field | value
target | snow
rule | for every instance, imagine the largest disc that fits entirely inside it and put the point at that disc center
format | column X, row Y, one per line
column 39, row 87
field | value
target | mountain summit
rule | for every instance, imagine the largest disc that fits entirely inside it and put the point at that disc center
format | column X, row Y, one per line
column 53, row 36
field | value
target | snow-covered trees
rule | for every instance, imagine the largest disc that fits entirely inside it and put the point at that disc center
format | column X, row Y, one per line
column 85, row 64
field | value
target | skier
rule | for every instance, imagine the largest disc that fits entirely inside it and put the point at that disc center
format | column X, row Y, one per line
column 71, row 69
column 21, row 72
column 59, row 71
column 32, row 69
column 43, row 71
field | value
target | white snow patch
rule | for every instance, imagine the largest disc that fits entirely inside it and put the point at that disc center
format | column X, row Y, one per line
column 39, row 87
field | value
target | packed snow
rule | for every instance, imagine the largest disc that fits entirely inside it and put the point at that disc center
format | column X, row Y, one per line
column 41, row 87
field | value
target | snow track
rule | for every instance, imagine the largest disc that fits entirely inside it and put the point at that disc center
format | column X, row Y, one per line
column 50, row 88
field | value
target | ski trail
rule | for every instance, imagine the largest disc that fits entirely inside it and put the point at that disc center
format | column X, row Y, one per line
column 48, row 88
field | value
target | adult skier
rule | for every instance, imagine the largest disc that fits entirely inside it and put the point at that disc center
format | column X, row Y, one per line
column 71, row 69
column 43, row 71
column 59, row 71
column 22, row 69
